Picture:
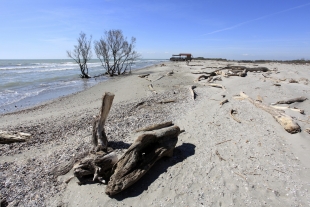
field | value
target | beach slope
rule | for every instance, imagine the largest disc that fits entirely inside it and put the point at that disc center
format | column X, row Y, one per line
column 244, row 158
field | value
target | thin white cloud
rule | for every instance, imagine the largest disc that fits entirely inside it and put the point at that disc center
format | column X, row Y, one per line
column 252, row 20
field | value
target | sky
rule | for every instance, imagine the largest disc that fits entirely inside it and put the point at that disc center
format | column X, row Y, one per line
column 235, row 30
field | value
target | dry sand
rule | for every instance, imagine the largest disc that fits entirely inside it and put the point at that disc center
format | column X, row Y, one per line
column 217, row 161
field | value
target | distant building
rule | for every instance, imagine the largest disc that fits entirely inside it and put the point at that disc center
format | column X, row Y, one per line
column 182, row 57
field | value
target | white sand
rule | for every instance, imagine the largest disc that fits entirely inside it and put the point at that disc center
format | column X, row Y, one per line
column 263, row 164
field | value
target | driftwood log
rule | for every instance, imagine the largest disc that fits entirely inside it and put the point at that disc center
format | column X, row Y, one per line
column 214, row 78
column 169, row 73
column 216, row 86
column 285, row 120
column 289, row 101
column 200, row 72
column 232, row 112
column 99, row 165
column 11, row 137
column 143, row 75
column 166, row 101
column 192, row 91
column 152, row 89
column 156, row 126
column 99, row 137
column 223, row 102
column 232, row 71
column 287, row 107
column 240, row 73
column 203, row 77
column 141, row 156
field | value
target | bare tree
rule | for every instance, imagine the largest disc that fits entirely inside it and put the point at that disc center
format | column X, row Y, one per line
column 82, row 54
column 115, row 52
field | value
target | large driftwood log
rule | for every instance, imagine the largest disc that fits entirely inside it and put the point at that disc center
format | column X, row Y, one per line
column 11, row 137
column 141, row 156
column 285, row 120
column 99, row 137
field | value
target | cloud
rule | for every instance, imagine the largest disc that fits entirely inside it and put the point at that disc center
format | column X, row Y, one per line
column 259, row 18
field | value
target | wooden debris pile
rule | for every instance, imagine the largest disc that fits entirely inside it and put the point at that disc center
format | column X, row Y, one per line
column 151, row 144
column 240, row 71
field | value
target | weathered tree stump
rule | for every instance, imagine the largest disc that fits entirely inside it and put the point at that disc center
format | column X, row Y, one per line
column 99, row 137
column 141, row 156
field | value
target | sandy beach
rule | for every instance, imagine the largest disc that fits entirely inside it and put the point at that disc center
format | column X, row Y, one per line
column 218, row 160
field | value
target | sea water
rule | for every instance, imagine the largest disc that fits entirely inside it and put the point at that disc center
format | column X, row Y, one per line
column 25, row 83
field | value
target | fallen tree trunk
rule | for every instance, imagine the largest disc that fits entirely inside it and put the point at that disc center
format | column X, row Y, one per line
column 141, row 156
column 99, row 137
column 286, row 121
column 11, row 137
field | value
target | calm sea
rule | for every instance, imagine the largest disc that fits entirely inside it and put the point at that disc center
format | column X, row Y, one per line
column 25, row 83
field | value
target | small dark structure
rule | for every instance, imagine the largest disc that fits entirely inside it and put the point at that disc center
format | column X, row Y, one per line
column 182, row 57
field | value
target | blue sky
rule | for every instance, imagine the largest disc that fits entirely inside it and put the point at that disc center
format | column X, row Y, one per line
column 240, row 29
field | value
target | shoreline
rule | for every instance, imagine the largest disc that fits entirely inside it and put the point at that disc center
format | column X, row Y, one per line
column 35, row 104
column 261, row 163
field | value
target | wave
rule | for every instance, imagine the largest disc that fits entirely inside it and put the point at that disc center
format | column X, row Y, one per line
column 7, row 98
column 25, row 67
column 46, row 70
